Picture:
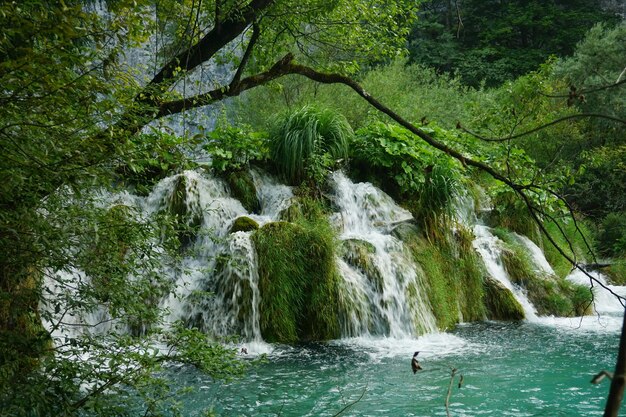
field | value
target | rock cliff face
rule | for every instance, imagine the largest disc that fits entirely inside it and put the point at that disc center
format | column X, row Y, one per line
column 615, row 6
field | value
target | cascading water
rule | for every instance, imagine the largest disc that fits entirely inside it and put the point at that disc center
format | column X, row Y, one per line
column 537, row 257
column 490, row 249
column 386, row 289
column 217, row 284
column 605, row 295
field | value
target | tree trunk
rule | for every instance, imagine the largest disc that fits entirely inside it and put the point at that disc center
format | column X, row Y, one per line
column 616, row 393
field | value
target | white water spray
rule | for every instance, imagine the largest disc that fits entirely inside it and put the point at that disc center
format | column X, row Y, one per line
column 388, row 298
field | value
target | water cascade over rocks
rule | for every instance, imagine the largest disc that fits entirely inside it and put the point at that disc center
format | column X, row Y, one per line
column 382, row 290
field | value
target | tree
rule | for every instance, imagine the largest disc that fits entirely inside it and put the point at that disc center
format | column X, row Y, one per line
column 72, row 110
column 496, row 41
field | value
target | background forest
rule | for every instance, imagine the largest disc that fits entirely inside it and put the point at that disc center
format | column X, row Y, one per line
column 522, row 102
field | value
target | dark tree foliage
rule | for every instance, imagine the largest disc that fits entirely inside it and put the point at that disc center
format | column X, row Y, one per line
column 494, row 40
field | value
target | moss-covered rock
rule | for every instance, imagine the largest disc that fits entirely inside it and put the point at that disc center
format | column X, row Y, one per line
column 500, row 302
column 291, row 213
column 549, row 294
column 187, row 219
column 243, row 224
column 358, row 253
column 405, row 231
column 243, row 189
column 298, row 281
column 455, row 278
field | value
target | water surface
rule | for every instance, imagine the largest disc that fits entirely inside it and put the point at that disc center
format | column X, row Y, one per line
column 520, row 369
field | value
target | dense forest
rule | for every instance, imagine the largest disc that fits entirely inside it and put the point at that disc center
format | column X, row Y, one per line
column 519, row 103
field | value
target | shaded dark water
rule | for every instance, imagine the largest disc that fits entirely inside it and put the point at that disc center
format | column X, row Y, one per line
column 526, row 369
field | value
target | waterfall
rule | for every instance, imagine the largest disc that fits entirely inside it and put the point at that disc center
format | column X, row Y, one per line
column 490, row 249
column 217, row 283
column 604, row 301
column 537, row 257
column 386, row 289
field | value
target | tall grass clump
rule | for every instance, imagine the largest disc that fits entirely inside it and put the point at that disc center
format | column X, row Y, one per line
column 307, row 142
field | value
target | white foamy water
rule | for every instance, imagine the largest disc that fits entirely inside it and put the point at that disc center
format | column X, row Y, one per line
column 217, row 283
column 536, row 254
column 379, row 297
column 432, row 345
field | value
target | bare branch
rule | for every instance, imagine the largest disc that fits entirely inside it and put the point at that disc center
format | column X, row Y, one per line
column 279, row 69
column 552, row 123
column 617, row 83
column 453, row 372
column 246, row 55
column 352, row 403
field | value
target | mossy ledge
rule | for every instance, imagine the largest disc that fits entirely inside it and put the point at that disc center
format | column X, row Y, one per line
column 298, row 281
column 243, row 189
column 500, row 302
column 454, row 275
column 188, row 220
column 549, row 294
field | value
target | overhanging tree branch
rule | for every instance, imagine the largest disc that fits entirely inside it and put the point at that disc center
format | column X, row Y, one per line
column 279, row 69
column 538, row 128
column 246, row 54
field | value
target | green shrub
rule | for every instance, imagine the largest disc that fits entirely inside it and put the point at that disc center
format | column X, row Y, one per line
column 612, row 235
column 148, row 158
column 233, row 148
column 391, row 157
column 307, row 142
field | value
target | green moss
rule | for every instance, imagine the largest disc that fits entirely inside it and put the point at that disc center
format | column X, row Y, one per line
column 291, row 213
column 617, row 272
column 500, row 302
column 187, row 220
column 405, row 231
column 243, row 189
column 298, row 281
column 358, row 253
column 243, row 224
column 454, row 275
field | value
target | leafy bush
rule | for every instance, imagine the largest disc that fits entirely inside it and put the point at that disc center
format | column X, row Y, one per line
column 612, row 235
column 406, row 168
column 148, row 158
column 308, row 142
column 233, row 148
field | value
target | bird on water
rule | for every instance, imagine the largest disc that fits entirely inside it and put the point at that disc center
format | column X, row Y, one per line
column 415, row 365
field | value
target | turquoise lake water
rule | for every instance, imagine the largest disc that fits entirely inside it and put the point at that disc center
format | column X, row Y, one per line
column 509, row 369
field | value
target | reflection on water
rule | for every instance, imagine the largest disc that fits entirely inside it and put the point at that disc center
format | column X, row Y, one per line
column 520, row 369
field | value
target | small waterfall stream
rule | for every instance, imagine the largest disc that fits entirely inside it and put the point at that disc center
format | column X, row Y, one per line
column 378, row 286
column 490, row 249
